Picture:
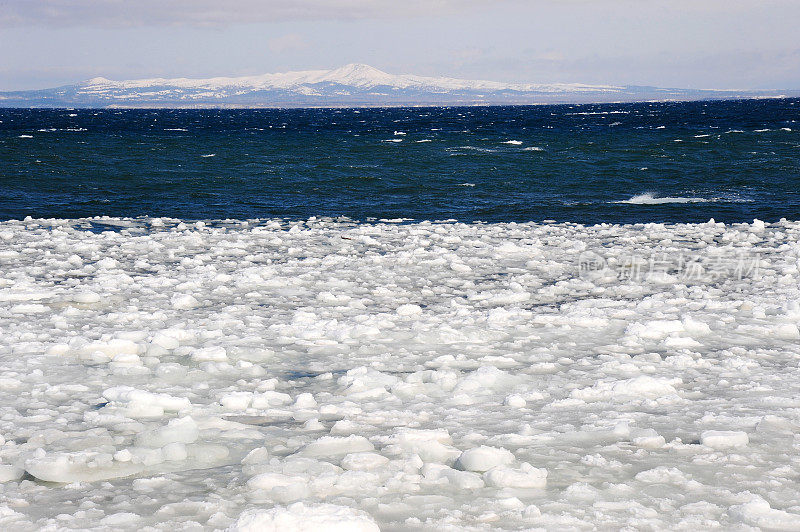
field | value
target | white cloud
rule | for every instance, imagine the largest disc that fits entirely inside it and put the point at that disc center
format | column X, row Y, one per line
column 131, row 13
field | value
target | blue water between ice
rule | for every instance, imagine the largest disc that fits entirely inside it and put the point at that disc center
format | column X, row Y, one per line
column 617, row 163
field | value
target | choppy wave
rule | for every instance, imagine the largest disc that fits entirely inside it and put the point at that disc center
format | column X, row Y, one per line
column 54, row 129
column 598, row 113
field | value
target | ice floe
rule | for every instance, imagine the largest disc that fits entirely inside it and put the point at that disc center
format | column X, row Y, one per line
column 309, row 375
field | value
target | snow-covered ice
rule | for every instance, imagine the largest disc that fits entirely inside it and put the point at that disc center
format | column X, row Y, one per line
column 324, row 375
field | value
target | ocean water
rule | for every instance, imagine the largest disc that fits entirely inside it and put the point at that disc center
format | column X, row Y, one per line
column 617, row 163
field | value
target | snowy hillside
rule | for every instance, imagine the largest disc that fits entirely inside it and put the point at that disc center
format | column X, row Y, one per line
column 357, row 76
column 350, row 85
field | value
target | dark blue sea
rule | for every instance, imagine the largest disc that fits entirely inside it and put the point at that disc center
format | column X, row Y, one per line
column 617, row 163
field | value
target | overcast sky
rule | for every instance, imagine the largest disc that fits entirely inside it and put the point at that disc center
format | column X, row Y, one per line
column 677, row 43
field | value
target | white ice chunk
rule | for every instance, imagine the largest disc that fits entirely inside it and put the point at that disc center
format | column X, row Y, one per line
column 184, row 302
column 305, row 400
column 270, row 398
column 135, row 398
column 787, row 331
column 215, row 353
column 268, row 481
column 336, row 446
column 180, row 430
column 724, row 439
column 363, row 461
column 10, row 472
column 112, row 348
column 465, row 480
column 300, row 517
column 121, row 520
column 649, row 440
column 515, row 400
column 758, row 512
column 431, row 445
column 79, row 467
column 86, row 297
column 409, row 310
column 483, row 458
column 655, row 329
column 526, row 476
column 643, row 386
column 236, row 400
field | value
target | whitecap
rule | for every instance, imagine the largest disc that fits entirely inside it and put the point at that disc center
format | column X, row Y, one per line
column 53, row 129
column 466, row 184
column 649, row 199
column 474, row 148
column 513, row 142
column 392, row 140
column 533, row 148
column 599, row 113
column 209, row 155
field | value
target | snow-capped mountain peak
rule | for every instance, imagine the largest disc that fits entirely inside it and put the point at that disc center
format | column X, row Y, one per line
column 359, row 75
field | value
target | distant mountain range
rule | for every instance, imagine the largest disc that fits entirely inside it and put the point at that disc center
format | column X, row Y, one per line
column 354, row 85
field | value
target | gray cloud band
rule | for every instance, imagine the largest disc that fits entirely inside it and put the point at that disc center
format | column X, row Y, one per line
column 204, row 13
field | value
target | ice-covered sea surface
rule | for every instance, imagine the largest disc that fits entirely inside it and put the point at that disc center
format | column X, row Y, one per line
column 330, row 375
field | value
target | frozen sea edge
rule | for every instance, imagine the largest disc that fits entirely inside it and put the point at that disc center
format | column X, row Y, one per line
column 282, row 374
